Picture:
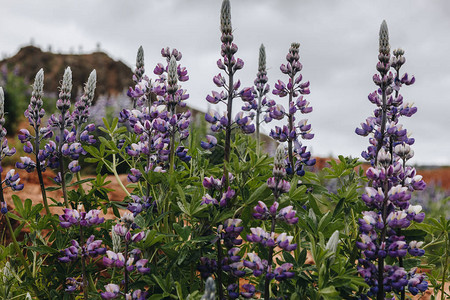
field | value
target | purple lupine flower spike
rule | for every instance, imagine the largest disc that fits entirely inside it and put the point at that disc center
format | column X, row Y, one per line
column 298, row 157
column 391, row 182
column 12, row 179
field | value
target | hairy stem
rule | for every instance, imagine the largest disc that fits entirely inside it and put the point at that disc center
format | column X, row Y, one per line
column 258, row 112
column 444, row 272
column 219, row 269
column 83, row 266
column 291, row 128
column 269, row 264
column 228, row 127
column 125, row 267
column 381, row 293
column 116, row 175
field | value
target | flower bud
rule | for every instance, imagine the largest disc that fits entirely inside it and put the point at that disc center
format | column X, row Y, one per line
column 262, row 59
column 384, row 38
column 225, row 18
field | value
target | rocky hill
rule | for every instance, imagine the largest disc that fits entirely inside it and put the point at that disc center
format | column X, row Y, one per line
column 113, row 77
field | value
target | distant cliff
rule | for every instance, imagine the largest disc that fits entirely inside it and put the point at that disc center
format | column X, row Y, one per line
column 113, row 77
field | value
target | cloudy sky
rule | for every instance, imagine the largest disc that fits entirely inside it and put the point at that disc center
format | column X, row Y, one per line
column 339, row 45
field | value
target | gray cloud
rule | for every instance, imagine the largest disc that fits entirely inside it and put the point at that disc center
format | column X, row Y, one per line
column 339, row 51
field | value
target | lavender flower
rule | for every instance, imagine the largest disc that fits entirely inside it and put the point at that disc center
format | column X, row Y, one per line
column 112, row 291
column 295, row 88
column 229, row 64
column 73, row 217
column 392, row 181
column 11, row 179
column 258, row 235
column 261, row 89
column 67, row 127
column 91, row 248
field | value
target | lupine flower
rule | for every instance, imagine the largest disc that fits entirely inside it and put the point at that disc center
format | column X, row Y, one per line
column 73, row 217
column 114, row 259
column 416, row 282
column 232, row 291
column 282, row 272
column 284, row 242
column 248, row 290
column 140, row 266
column 207, row 267
column 391, row 180
column 295, row 88
column 112, row 291
column 91, row 248
column 72, row 285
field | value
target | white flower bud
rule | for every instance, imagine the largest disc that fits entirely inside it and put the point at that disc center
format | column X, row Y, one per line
column 140, row 58
column 262, row 58
column 66, row 86
column 115, row 240
column 38, row 86
column 384, row 38
column 225, row 17
column 128, row 218
column 210, row 290
column 90, row 86
column 333, row 242
column 172, row 76
column 2, row 103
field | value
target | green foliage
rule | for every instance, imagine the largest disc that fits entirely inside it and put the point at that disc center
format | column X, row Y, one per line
column 17, row 93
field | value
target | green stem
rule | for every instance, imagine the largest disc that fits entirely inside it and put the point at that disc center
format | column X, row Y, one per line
column 125, row 267
column 63, row 180
column 291, row 128
column 83, row 266
column 19, row 252
column 258, row 138
column 228, row 127
column 219, row 269
column 445, row 266
column 39, row 172
column 116, row 175
column 269, row 264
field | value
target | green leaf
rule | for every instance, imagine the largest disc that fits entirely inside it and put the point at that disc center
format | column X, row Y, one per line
column 18, row 205
column 411, row 263
column 52, row 188
column 261, row 193
column 313, row 203
column 338, row 207
column 183, row 232
column 302, row 257
column 81, row 182
column 414, row 235
column 329, row 291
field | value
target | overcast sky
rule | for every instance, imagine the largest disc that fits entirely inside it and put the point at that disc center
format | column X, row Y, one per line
column 339, row 46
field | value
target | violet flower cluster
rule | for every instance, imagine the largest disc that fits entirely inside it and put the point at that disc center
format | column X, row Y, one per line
column 294, row 89
column 81, row 249
column 12, row 178
column 112, row 291
column 229, row 64
column 154, row 118
column 73, row 217
column 261, row 104
column 228, row 235
column 117, row 259
column 67, row 127
column 126, row 260
column 264, row 267
column 392, row 182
